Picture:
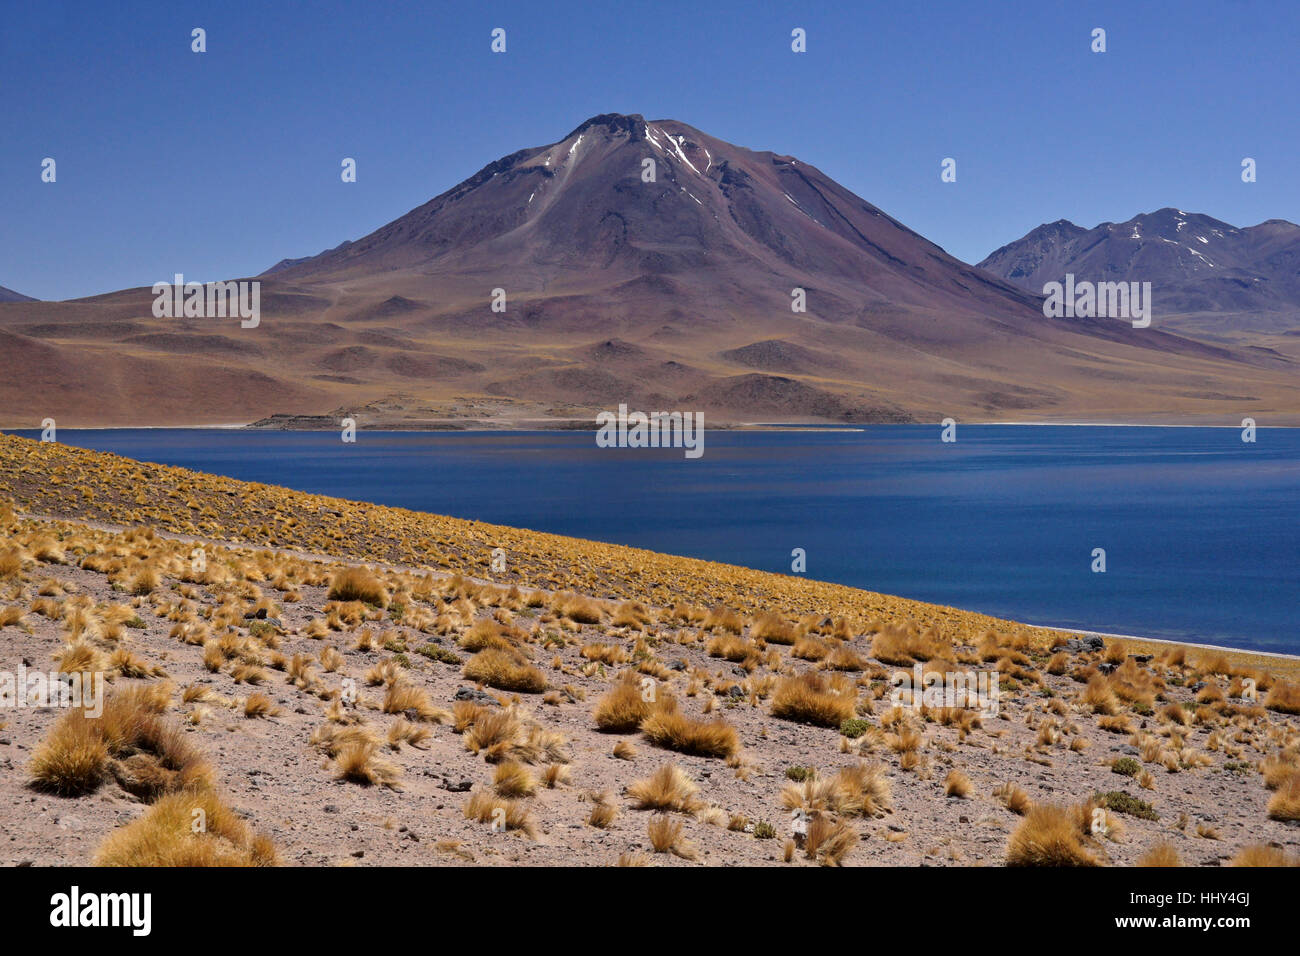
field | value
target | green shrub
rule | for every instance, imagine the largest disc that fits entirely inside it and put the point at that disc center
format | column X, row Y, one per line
column 440, row 654
column 855, row 727
column 1126, row 767
column 1122, row 802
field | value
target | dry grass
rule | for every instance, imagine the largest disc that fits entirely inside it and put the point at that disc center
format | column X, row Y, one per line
column 483, row 634
column 413, row 702
column 190, row 828
column 403, row 731
column 772, row 629
column 624, row 750
column 667, row 835
column 579, row 608
column 723, row 619
column 603, row 812
column 1260, row 854
column 1048, row 836
column 359, row 762
column 668, row 789
column 513, row 779
column 859, row 790
column 731, row 647
column 358, row 584
column 812, row 699
column 73, row 758
column 1099, row 697
column 1284, row 698
column 259, row 705
column 673, row 730
column 146, row 753
column 956, row 784
column 505, row 670
column 11, row 563
column 1013, row 798
column 829, row 840
column 623, row 707
column 1285, row 802
column 500, row 814
column 606, row 653
column 1161, row 854
column 491, row 729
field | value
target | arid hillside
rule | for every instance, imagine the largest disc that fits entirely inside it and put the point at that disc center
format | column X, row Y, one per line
column 580, row 704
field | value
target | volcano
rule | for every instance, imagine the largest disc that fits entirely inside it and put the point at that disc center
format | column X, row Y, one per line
column 638, row 262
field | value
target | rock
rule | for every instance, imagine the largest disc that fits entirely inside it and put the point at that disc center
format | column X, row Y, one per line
column 477, row 696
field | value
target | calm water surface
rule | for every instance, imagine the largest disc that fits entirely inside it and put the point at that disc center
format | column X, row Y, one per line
column 1200, row 529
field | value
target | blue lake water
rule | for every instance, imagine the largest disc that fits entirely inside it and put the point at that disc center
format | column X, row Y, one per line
column 1200, row 529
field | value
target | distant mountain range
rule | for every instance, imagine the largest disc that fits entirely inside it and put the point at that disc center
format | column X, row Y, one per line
column 1207, row 276
column 9, row 295
column 641, row 262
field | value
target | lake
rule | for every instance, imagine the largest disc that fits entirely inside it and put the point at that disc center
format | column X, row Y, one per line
column 1199, row 528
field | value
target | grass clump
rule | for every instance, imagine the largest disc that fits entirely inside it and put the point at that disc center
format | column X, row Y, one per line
column 358, row 584
column 505, row 670
column 1122, row 802
column 190, row 828
column 855, row 727
column 1048, row 836
column 812, row 699
column 1126, row 767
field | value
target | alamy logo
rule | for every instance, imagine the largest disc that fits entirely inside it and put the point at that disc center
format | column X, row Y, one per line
column 133, row 910
column 656, row 430
column 38, row 689
column 1088, row 300
column 209, row 300
column 937, row 689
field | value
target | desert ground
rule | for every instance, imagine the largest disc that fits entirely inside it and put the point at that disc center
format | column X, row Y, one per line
column 342, row 684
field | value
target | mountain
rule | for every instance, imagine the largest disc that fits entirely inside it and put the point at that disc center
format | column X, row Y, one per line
column 9, row 295
column 664, row 292
column 1206, row 276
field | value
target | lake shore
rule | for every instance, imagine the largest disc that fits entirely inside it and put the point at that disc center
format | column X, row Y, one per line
column 383, row 533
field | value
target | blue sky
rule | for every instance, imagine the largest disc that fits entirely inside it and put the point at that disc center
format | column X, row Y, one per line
column 218, row 165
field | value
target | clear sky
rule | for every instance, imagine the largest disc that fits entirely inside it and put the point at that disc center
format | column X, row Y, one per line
column 219, row 164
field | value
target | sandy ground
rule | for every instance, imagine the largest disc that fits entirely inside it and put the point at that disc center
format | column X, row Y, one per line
column 273, row 775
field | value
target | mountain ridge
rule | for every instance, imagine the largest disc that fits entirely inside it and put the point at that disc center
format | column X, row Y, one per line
column 742, row 283
column 1199, row 266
